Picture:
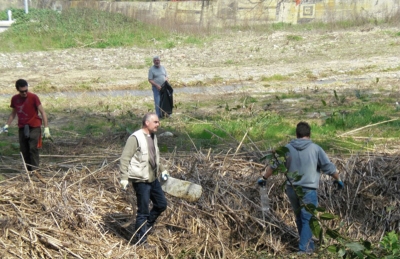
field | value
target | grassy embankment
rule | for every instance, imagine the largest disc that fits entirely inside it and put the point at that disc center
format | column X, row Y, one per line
column 218, row 123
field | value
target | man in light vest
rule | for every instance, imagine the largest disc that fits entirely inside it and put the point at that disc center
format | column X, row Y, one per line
column 140, row 165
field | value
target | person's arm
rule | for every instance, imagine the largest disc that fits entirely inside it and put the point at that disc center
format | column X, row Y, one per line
column 127, row 154
column 262, row 181
column 162, row 167
column 46, row 132
column 44, row 116
column 338, row 182
column 336, row 176
column 12, row 116
column 267, row 172
column 152, row 82
column 166, row 75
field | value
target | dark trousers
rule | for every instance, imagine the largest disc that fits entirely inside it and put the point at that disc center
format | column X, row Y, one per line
column 28, row 147
column 144, row 193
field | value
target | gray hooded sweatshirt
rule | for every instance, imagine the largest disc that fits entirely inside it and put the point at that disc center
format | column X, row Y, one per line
column 309, row 160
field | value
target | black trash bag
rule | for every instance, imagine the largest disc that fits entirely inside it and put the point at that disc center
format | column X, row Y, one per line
column 166, row 99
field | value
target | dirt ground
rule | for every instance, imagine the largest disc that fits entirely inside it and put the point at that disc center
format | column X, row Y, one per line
column 247, row 57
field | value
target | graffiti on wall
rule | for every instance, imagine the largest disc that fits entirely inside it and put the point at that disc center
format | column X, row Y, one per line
column 307, row 11
column 304, row 11
column 233, row 12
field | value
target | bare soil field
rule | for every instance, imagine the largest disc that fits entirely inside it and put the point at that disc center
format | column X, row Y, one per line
column 74, row 208
column 245, row 57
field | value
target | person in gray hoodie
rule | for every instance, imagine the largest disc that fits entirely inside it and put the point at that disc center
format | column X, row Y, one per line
column 308, row 160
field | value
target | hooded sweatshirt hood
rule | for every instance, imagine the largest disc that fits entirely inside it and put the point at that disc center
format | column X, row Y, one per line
column 300, row 143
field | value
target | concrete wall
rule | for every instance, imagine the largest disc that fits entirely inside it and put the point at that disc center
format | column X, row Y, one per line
column 232, row 12
column 11, row 3
column 4, row 4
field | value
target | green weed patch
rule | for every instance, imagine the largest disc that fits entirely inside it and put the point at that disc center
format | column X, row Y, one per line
column 44, row 29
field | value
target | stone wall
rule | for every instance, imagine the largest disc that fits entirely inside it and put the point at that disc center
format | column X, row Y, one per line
column 233, row 12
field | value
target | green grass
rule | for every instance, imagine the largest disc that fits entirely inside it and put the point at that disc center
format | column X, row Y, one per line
column 221, row 123
column 276, row 77
column 9, row 142
column 367, row 114
column 294, row 38
column 229, row 62
column 391, row 69
column 229, row 123
column 43, row 29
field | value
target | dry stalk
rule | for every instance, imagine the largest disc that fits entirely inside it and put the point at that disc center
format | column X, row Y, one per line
column 79, row 211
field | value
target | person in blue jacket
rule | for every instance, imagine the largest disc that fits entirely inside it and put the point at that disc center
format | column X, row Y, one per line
column 308, row 160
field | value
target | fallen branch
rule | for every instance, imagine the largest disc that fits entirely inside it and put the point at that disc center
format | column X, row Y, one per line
column 368, row 126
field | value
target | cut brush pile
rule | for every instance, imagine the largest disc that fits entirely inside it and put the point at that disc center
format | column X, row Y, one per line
column 80, row 213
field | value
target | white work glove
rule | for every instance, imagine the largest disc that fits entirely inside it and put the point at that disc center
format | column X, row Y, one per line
column 164, row 175
column 124, row 184
column 5, row 128
column 46, row 133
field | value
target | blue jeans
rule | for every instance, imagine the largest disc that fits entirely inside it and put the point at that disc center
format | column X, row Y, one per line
column 144, row 193
column 303, row 217
column 156, row 95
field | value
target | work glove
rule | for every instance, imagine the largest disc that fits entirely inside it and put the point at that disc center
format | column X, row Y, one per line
column 262, row 182
column 164, row 175
column 4, row 129
column 339, row 184
column 46, row 133
column 124, row 184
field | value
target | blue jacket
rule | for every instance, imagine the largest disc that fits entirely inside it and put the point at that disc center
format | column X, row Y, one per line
column 309, row 160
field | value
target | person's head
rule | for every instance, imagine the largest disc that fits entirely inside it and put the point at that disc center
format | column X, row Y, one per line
column 150, row 123
column 22, row 87
column 156, row 61
column 303, row 129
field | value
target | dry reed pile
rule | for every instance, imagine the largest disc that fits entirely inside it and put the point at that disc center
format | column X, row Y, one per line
column 79, row 212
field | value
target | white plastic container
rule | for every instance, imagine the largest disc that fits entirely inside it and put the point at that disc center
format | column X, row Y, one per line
column 264, row 199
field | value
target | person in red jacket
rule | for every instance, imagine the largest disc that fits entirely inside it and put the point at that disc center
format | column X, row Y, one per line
column 26, row 106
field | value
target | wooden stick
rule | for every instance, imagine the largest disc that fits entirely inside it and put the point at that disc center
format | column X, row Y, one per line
column 368, row 126
column 80, row 156
column 241, row 142
column 215, row 135
column 26, row 170
column 205, row 246
column 197, row 151
column 96, row 171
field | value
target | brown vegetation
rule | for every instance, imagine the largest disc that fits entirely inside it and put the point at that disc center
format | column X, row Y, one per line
column 78, row 212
